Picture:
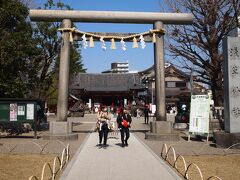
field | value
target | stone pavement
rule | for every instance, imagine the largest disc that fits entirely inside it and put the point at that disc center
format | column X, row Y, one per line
column 135, row 162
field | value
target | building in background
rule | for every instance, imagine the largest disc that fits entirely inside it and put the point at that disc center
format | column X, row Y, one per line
column 107, row 89
column 119, row 67
column 123, row 88
column 177, row 83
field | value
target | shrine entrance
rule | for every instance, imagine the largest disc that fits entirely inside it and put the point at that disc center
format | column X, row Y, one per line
column 160, row 128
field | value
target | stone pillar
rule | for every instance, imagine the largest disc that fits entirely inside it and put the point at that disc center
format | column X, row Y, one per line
column 159, row 75
column 62, row 129
column 160, row 129
column 231, row 52
column 62, row 105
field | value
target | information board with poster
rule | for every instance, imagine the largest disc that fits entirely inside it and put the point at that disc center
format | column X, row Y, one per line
column 199, row 115
column 13, row 112
column 30, row 112
column 21, row 110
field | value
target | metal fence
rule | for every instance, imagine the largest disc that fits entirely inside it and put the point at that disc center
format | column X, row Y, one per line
column 54, row 169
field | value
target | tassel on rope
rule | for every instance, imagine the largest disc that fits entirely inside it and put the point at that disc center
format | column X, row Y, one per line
column 123, row 45
column 154, row 38
column 72, row 30
column 70, row 37
column 135, row 44
column 91, row 42
column 113, row 45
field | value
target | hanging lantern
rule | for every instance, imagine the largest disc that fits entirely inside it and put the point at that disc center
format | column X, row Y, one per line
column 91, row 42
column 135, row 44
column 113, row 45
column 154, row 38
column 123, row 45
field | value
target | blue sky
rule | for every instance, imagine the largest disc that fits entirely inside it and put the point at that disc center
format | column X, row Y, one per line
column 95, row 59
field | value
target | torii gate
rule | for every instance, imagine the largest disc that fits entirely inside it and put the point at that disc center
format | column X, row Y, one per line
column 61, row 127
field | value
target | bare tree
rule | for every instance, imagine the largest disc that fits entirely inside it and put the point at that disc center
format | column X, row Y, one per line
column 200, row 44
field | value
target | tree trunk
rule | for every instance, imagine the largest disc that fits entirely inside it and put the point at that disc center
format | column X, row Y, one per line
column 217, row 91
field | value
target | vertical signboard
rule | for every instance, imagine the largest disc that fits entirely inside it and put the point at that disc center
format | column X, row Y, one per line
column 199, row 114
column 153, row 108
column 90, row 103
column 125, row 102
column 231, row 51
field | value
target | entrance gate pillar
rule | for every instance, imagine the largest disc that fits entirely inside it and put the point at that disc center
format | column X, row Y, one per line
column 62, row 129
column 159, row 75
column 160, row 129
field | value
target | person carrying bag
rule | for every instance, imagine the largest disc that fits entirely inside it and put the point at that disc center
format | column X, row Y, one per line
column 124, row 120
column 103, row 126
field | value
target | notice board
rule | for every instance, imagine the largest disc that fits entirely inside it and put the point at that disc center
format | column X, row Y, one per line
column 199, row 114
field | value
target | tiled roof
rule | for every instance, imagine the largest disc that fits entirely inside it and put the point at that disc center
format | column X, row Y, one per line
column 106, row 82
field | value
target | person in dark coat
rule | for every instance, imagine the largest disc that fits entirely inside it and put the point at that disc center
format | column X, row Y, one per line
column 146, row 114
column 124, row 130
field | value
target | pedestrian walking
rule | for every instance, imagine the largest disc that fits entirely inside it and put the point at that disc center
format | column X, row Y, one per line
column 146, row 114
column 124, row 120
column 103, row 126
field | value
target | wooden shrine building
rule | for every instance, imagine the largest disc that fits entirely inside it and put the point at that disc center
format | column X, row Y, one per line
column 110, row 89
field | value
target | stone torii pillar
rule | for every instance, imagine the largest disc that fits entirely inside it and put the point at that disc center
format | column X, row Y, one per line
column 159, row 67
column 62, row 104
column 160, row 129
column 158, row 19
column 61, row 129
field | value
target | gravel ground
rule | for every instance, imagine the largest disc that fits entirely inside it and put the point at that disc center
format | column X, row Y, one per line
column 21, row 167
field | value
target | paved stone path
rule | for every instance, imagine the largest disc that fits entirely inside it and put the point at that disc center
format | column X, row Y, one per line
column 135, row 162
